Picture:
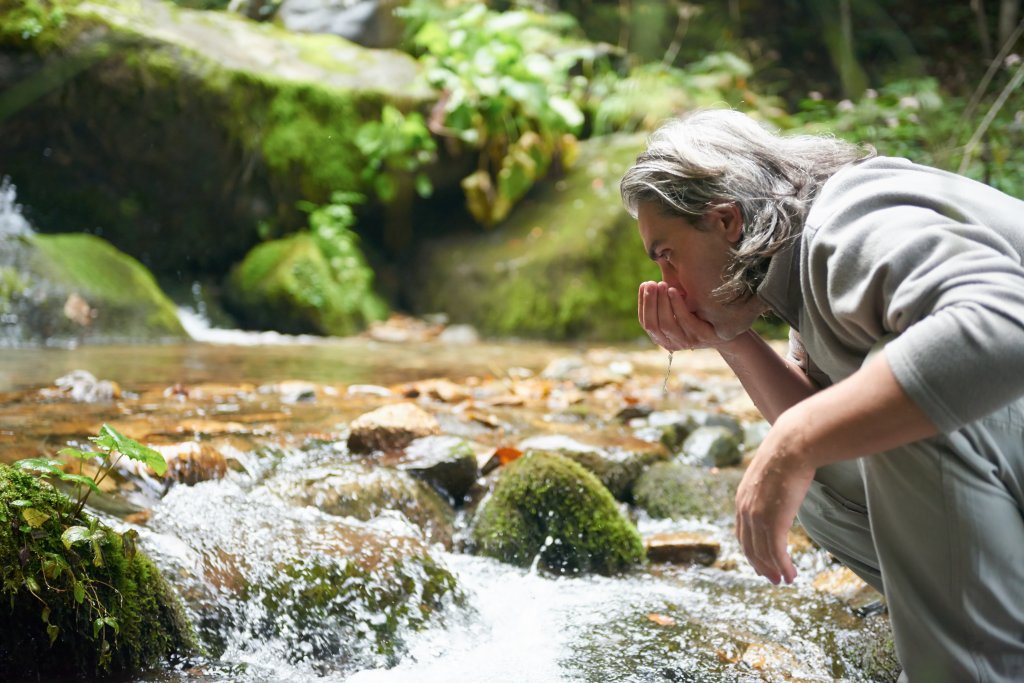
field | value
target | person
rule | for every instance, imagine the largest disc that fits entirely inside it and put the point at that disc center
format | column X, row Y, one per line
column 898, row 414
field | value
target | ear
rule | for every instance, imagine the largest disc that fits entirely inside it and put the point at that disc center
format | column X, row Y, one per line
column 729, row 219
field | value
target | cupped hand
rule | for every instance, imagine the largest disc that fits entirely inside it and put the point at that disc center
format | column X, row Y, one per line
column 668, row 321
column 769, row 495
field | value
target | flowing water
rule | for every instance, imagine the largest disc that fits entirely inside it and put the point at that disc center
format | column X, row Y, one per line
column 246, row 560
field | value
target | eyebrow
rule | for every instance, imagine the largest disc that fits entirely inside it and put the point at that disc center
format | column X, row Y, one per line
column 652, row 251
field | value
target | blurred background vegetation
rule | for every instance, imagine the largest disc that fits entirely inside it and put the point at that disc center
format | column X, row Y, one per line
column 190, row 155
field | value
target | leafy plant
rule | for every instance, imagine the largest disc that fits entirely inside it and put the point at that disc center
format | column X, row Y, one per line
column 46, row 566
column 110, row 442
column 396, row 144
column 506, row 90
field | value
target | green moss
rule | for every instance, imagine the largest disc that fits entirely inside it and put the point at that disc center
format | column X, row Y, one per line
column 544, row 496
column 671, row 489
column 288, row 285
column 317, row 593
column 39, row 573
column 128, row 301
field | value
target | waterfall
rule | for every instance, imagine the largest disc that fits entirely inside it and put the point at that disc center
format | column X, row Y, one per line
column 12, row 223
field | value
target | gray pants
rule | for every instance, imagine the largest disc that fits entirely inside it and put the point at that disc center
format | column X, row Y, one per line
column 938, row 527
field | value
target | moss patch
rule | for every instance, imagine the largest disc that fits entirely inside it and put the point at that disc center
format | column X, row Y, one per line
column 567, row 263
column 57, row 288
column 548, row 507
column 671, row 489
column 39, row 573
column 288, row 285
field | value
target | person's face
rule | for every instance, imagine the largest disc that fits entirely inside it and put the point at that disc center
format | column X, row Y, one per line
column 693, row 260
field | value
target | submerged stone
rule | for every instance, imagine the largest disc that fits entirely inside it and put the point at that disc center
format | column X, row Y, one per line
column 448, row 463
column 367, row 492
column 547, row 509
column 712, row 446
column 52, row 595
column 676, row 490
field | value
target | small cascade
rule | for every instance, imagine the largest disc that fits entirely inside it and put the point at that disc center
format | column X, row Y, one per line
column 12, row 222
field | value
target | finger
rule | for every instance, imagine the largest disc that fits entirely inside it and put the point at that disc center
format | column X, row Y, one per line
column 765, row 558
column 666, row 319
column 650, row 314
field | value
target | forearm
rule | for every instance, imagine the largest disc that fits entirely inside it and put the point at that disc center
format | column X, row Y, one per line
column 867, row 413
column 773, row 383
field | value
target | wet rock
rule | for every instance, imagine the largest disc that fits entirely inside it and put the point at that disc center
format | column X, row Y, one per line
column 297, row 583
column 682, row 548
column 370, row 23
column 439, row 390
column 676, row 490
column 448, row 463
column 670, row 427
column 712, row 446
column 292, row 391
column 402, row 329
column 547, row 509
column 45, row 275
column 83, row 387
column 367, row 492
column 754, row 434
column 871, row 649
column 113, row 578
column 459, row 334
column 391, row 428
column 192, row 462
column 726, row 420
column 776, row 660
column 843, row 584
column 616, row 464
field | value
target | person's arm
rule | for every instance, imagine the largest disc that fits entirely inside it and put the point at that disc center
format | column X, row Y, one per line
column 867, row 413
column 773, row 383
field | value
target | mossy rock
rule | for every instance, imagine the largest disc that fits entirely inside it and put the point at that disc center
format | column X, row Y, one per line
column 184, row 136
column 673, row 489
column 77, row 287
column 549, row 508
column 713, row 446
column 566, row 264
column 617, row 466
column 288, row 285
column 300, row 584
column 39, row 573
column 365, row 492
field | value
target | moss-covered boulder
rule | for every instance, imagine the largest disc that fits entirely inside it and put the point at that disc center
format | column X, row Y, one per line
column 289, row 285
column 547, row 508
column 61, row 288
column 566, row 264
column 183, row 135
column 82, row 609
column 366, row 492
column 673, row 489
column 616, row 463
column 713, row 446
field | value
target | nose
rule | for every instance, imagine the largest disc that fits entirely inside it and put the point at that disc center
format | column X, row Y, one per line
column 668, row 276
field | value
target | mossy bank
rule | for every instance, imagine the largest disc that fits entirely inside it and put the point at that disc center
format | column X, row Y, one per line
column 86, row 610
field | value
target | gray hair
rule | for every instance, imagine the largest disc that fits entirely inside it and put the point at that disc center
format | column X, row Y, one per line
column 716, row 158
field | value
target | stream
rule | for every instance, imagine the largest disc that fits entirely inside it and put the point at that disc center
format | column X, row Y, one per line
column 276, row 408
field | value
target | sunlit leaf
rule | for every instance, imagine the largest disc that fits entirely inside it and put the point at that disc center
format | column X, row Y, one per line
column 507, row 454
column 40, row 466
column 131, row 448
column 76, row 453
column 35, row 518
column 76, row 534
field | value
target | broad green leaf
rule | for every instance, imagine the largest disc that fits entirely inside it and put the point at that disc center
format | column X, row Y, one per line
column 131, row 448
column 20, row 503
column 96, row 626
column 79, row 592
column 40, row 466
column 45, row 615
column 80, row 454
column 81, row 480
column 75, row 534
column 35, row 518
column 112, row 623
column 52, row 630
column 32, row 584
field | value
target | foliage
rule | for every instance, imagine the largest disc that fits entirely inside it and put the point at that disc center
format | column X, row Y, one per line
column 650, row 93
column 30, row 21
column 506, row 90
column 549, row 509
column 915, row 119
column 104, row 606
column 396, row 144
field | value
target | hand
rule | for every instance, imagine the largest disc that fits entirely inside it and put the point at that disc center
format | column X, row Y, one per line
column 668, row 322
column 772, row 489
